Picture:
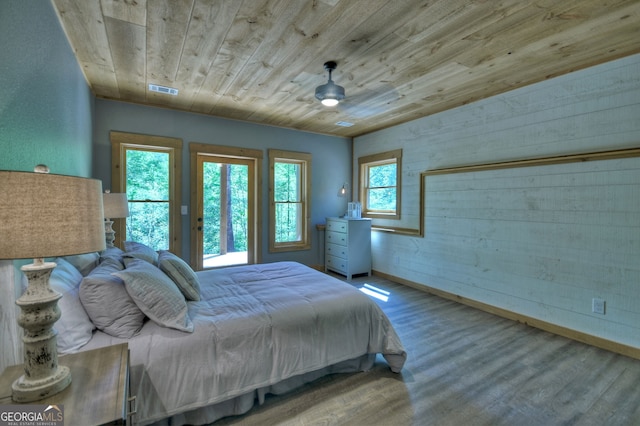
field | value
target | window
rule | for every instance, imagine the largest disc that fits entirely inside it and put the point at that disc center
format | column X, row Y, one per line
column 147, row 169
column 289, row 192
column 380, row 184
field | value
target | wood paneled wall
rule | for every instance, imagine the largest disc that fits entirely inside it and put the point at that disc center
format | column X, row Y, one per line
column 541, row 241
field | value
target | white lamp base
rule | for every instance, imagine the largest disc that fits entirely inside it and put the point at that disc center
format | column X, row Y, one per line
column 25, row 390
column 109, row 233
column 39, row 311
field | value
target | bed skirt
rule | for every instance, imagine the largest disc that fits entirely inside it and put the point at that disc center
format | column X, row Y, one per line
column 243, row 403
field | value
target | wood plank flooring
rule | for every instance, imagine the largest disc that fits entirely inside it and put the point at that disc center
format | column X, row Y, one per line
column 466, row 367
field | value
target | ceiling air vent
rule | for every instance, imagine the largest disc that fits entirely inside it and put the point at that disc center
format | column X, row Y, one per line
column 163, row 89
column 344, row 124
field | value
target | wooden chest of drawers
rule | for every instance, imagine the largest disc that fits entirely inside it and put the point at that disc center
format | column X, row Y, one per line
column 348, row 246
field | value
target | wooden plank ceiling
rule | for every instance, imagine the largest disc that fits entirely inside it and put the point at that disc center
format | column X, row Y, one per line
column 260, row 60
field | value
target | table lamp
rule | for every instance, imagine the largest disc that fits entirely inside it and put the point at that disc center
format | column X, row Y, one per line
column 45, row 215
column 116, row 206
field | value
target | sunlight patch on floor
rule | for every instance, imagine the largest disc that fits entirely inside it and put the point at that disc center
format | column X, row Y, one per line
column 376, row 292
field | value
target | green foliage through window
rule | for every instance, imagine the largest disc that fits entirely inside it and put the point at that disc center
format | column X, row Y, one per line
column 289, row 189
column 148, row 195
column 380, row 184
column 237, row 208
column 382, row 187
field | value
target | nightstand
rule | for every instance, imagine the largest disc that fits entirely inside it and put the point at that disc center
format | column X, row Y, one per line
column 99, row 390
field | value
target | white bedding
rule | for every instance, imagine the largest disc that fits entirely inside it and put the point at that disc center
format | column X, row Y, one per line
column 255, row 326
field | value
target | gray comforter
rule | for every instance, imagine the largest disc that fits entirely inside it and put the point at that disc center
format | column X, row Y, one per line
column 255, row 326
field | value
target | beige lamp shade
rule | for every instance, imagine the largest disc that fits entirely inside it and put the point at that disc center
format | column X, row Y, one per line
column 47, row 215
column 116, row 205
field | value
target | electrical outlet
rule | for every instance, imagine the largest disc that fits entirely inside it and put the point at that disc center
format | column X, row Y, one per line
column 396, row 260
column 597, row 306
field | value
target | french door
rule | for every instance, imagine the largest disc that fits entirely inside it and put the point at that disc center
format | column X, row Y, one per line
column 225, row 212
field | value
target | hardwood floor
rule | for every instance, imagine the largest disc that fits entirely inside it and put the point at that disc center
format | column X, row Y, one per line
column 466, row 367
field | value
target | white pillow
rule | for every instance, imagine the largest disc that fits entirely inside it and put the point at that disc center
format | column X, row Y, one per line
column 156, row 295
column 74, row 326
column 180, row 273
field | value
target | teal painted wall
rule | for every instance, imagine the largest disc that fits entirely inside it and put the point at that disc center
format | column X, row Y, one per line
column 46, row 116
column 46, row 107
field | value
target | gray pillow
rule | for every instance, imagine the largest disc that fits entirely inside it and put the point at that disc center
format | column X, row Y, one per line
column 140, row 251
column 113, row 252
column 74, row 327
column 107, row 302
column 180, row 273
column 156, row 295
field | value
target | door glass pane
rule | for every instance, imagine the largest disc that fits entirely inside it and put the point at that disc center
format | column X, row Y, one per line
column 225, row 214
column 211, row 209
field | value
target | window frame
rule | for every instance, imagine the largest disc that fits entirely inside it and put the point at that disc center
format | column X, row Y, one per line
column 374, row 160
column 304, row 159
column 120, row 144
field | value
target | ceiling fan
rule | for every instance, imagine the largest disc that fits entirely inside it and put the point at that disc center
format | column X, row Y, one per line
column 330, row 94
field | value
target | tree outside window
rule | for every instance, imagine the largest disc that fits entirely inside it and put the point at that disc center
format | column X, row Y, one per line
column 289, row 189
column 380, row 184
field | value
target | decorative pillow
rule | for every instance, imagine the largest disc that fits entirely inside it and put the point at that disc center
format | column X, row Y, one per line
column 84, row 263
column 74, row 326
column 107, row 302
column 180, row 273
column 156, row 295
column 140, row 251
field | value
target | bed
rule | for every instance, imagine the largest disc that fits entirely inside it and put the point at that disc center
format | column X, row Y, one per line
column 253, row 330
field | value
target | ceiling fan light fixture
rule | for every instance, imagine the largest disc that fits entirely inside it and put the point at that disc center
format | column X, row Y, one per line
column 330, row 94
column 330, row 102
